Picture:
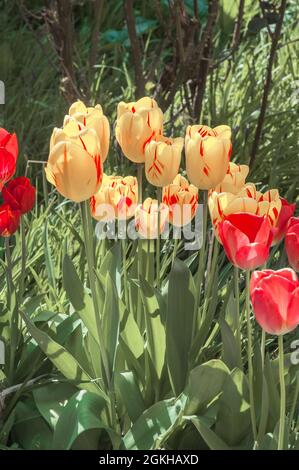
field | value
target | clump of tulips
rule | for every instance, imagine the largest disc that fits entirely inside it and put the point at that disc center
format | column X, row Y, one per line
column 246, row 222
column 18, row 194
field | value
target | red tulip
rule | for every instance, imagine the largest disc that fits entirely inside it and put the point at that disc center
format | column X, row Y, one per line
column 292, row 243
column 246, row 239
column 8, row 156
column 275, row 300
column 9, row 220
column 19, row 194
column 286, row 212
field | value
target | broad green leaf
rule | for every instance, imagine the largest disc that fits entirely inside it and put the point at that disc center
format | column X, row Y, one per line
column 233, row 420
column 204, row 385
column 152, row 425
column 179, row 324
column 82, row 413
column 129, row 394
column 210, row 437
column 63, row 360
column 51, row 399
column 155, row 330
column 230, row 348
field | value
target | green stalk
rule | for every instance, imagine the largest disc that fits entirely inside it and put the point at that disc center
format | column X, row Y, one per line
column 249, row 353
column 139, row 246
column 159, row 198
column 294, row 402
column 125, row 272
column 89, row 249
column 237, row 298
column 175, row 249
column 282, row 394
column 201, row 258
column 23, row 259
column 263, row 347
column 14, row 312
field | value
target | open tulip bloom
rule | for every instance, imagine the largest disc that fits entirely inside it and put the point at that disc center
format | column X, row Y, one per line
column 246, row 239
column 8, row 156
column 275, row 300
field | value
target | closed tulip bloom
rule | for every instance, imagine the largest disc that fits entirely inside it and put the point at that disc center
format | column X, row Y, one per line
column 117, row 198
column 137, row 123
column 8, row 156
column 146, row 218
column 286, row 212
column 234, row 179
column 247, row 200
column 246, row 239
column 181, row 198
column 162, row 160
column 207, row 154
column 9, row 220
column 275, row 300
column 19, row 194
column 292, row 243
column 74, row 165
column 93, row 118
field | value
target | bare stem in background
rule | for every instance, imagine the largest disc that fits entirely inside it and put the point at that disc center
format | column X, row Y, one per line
column 136, row 53
column 275, row 38
column 98, row 11
column 238, row 26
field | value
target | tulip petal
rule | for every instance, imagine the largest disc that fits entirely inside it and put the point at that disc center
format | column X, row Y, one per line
column 252, row 256
column 293, row 310
column 266, row 312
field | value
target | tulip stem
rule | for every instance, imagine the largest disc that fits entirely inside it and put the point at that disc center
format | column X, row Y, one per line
column 263, row 347
column 175, row 250
column 125, row 272
column 282, row 394
column 159, row 198
column 238, row 321
column 249, row 353
column 89, row 248
column 201, row 257
column 139, row 246
column 23, row 258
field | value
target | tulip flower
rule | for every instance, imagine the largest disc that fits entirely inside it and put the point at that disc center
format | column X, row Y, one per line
column 19, row 194
column 286, row 212
column 246, row 239
column 275, row 300
column 137, row 123
column 9, row 220
column 92, row 118
column 292, row 243
column 8, row 156
column 162, row 160
column 234, row 179
column 207, row 154
column 146, row 218
column 181, row 198
column 117, row 198
column 74, row 166
column 247, row 200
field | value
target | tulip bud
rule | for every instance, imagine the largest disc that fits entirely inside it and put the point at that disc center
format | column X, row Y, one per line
column 162, row 160
column 275, row 300
column 181, row 198
column 117, row 198
column 19, row 194
column 286, row 212
column 246, row 239
column 207, row 154
column 8, row 156
column 9, row 220
column 248, row 200
column 137, row 123
column 146, row 218
column 92, row 118
column 292, row 243
column 74, row 165
column 234, row 179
